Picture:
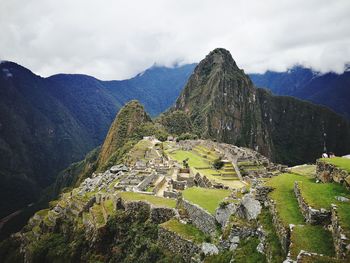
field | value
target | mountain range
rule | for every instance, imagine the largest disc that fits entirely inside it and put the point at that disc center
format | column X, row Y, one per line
column 328, row 89
column 48, row 123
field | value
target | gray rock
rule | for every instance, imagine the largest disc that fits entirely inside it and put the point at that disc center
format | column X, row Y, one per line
column 260, row 248
column 342, row 199
column 209, row 249
column 250, row 208
column 222, row 215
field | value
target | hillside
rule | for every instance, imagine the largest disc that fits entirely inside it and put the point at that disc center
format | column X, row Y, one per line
column 223, row 104
column 329, row 89
column 48, row 123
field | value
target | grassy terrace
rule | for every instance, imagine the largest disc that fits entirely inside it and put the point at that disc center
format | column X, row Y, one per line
column 311, row 192
column 304, row 237
column 186, row 231
column 209, row 199
column 205, row 168
column 154, row 200
column 309, row 170
column 312, row 239
column 286, row 202
column 342, row 163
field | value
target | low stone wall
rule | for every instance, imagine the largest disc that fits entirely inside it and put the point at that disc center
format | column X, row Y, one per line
column 147, row 181
column 202, row 181
column 340, row 237
column 160, row 215
column 199, row 217
column 326, row 172
column 159, row 185
column 177, row 244
column 261, row 193
column 157, row 215
column 179, row 185
column 311, row 215
column 283, row 232
column 171, row 194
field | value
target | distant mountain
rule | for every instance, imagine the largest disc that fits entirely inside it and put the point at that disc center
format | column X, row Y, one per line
column 330, row 89
column 48, row 123
column 223, row 104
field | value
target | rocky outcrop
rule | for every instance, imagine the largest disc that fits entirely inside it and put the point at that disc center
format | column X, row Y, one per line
column 160, row 215
column 249, row 208
column 177, row 244
column 223, row 213
column 200, row 218
column 326, row 172
column 341, row 238
column 311, row 215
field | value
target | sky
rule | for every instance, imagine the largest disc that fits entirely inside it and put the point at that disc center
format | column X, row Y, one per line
column 116, row 39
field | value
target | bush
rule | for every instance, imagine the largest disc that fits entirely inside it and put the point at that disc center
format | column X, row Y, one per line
column 218, row 164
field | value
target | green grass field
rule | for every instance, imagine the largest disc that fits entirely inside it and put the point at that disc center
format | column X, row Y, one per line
column 342, row 163
column 154, row 200
column 311, row 239
column 209, row 199
column 286, row 202
column 186, row 231
column 194, row 159
column 309, row 170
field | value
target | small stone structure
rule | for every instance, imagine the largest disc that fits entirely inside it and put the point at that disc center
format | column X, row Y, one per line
column 327, row 172
column 311, row 215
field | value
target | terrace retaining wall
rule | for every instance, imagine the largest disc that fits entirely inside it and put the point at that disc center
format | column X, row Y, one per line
column 327, row 172
column 283, row 232
column 177, row 244
column 311, row 215
column 200, row 218
column 340, row 237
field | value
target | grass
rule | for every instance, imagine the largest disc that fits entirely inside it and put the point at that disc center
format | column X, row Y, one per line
column 187, row 231
column 97, row 211
column 342, row 163
column 311, row 239
column 274, row 246
column 311, row 193
column 209, row 199
column 194, row 159
column 246, row 252
column 283, row 195
column 154, row 200
column 42, row 213
column 108, row 204
column 308, row 170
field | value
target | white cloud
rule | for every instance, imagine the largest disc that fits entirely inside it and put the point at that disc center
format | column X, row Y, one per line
column 112, row 39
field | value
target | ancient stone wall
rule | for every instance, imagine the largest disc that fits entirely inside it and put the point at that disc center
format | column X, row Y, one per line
column 327, row 172
column 171, row 194
column 159, row 185
column 147, row 181
column 179, row 185
column 201, row 218
column 311, row 215
column 283, row 232
column 161, row 214
column 177, row 244
column 340, row 236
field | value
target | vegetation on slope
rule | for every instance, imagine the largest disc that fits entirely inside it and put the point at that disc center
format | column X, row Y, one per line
column 187, row 231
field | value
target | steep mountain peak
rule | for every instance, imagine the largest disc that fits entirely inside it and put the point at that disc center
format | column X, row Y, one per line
column 128, row 119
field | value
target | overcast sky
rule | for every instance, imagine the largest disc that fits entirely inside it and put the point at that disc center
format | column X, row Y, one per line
column 112, row 39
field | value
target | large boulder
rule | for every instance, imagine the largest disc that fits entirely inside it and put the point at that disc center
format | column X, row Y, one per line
column 249, row 207
column 223, row 213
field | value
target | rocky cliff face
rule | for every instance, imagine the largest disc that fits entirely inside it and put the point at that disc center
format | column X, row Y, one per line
column 223, row 104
